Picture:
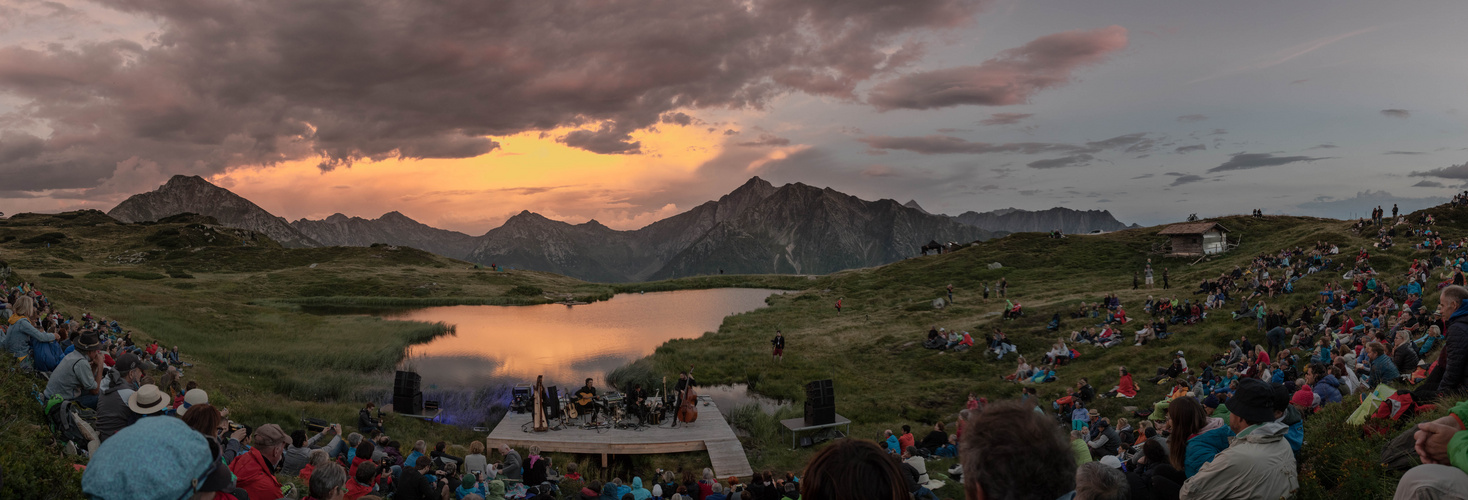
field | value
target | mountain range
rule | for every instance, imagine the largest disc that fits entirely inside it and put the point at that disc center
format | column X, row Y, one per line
column 757, row 228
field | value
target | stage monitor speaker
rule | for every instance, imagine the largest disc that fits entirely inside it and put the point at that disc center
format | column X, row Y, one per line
column 820, row 393
column 406, row 383
column 408, row 405
column 552, row 403
column 819, row 414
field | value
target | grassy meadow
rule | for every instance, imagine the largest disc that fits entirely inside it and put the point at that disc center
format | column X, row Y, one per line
column 237, row 305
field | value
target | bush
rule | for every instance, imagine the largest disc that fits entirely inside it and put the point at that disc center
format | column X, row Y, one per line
column 44, row 239
column 57, row 274
column 525, row 290
column 33, row 465
column 137, row 275
column 180, row 274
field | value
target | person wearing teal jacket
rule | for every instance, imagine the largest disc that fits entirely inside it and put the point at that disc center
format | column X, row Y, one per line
column 1443, row 446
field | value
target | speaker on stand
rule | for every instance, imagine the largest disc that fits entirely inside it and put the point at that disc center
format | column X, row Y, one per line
column 406, row 396
column 820, row 403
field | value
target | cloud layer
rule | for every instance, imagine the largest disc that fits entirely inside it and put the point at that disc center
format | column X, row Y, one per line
column 1246, row 161
column 232, row 83
column 1011, row 78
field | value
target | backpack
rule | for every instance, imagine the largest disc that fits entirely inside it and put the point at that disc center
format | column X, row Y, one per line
column 46, row 355
column 1396, row 407
column 62, row 415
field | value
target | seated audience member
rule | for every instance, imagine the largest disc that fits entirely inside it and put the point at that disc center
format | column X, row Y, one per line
column 1011, row 451
column 179, row 463
column 1102, row 481
column 79, row 375
column 852, row 469
column 1258, row 462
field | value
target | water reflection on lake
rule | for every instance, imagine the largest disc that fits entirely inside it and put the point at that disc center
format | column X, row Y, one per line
column 507, row 345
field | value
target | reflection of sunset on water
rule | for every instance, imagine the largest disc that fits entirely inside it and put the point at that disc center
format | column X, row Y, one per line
column 566, row 344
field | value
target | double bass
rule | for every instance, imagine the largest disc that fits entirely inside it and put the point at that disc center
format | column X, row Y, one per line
column 688, row 410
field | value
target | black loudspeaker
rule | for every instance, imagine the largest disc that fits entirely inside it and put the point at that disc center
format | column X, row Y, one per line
column 820, row 393
column 406, row 383
column 552, row 403
column 819, row 415
column 408, row 404
column 820, row 403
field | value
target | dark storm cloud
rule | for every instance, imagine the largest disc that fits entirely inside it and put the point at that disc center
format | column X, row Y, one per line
column 1325, row 146
column 1005, row 118
column 1010, row 78
column 942, row 144
column 766, row 140
column 1396, row 113
column 1185, row 179
column 1246, row 161
column 1079, row 160
column 1455, row 172
column 1428, row 184
column 235, row 83
column 1404, row 153
column 1189, row 149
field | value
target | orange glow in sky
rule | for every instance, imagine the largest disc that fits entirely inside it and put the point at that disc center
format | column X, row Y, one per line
column 473, row 195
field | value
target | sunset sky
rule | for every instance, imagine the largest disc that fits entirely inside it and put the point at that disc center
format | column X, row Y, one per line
column 461, row 113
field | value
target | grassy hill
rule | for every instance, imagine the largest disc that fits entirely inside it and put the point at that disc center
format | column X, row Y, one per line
column 232, row 301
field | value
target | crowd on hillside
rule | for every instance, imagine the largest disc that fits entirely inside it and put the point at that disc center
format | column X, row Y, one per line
column 1231, row 424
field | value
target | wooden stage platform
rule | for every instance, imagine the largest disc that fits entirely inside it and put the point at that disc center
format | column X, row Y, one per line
column 710, row 432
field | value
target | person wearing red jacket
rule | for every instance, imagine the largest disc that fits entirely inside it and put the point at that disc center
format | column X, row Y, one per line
column 255, row 471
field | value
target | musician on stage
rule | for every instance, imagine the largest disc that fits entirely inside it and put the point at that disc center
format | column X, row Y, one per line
column 637, row 403
column 586, row 401
column 685, row 382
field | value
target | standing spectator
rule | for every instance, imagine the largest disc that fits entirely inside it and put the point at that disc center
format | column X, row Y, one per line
column 1011, row 451
column 1147, row 272
column 79, row 374
column 838, row 303
column 779, row 344
column 1165, row 283
column 1258, row 462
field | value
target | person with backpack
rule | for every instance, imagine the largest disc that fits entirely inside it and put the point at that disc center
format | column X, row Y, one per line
column 23, row 333
column 79, row 375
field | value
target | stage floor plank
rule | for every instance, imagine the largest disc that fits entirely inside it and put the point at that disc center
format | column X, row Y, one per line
column 709, row 433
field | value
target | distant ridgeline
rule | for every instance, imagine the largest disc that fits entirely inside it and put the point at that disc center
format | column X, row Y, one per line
column 757, row 228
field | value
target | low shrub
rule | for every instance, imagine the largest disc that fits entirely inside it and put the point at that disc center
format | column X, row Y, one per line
column 525, row 290
column 57, row 274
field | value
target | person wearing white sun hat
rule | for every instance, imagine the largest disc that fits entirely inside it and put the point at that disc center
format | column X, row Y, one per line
column 192, row 398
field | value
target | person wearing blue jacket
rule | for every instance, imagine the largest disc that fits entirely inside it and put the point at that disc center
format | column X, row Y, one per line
column 1383, row 370
column 1326, row 385
column 1206, row 445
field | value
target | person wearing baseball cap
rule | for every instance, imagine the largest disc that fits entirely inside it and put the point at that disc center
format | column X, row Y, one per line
column 1258, row 462
column 118, row 407
column 255, row 471
column 79, row 375
column 157, row 458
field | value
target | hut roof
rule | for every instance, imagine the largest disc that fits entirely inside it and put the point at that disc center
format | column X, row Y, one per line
column 1192, row 228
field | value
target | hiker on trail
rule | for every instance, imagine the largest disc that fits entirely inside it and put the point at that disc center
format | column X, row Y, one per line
column 1258, row 462
column 1011, row 451
column 779, row 344
column 986, row 292
column 1003, row 287
column 1134, row 280
column 950, row 293
column 838, row 304
column 1165, row 284
column 1147, row 272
